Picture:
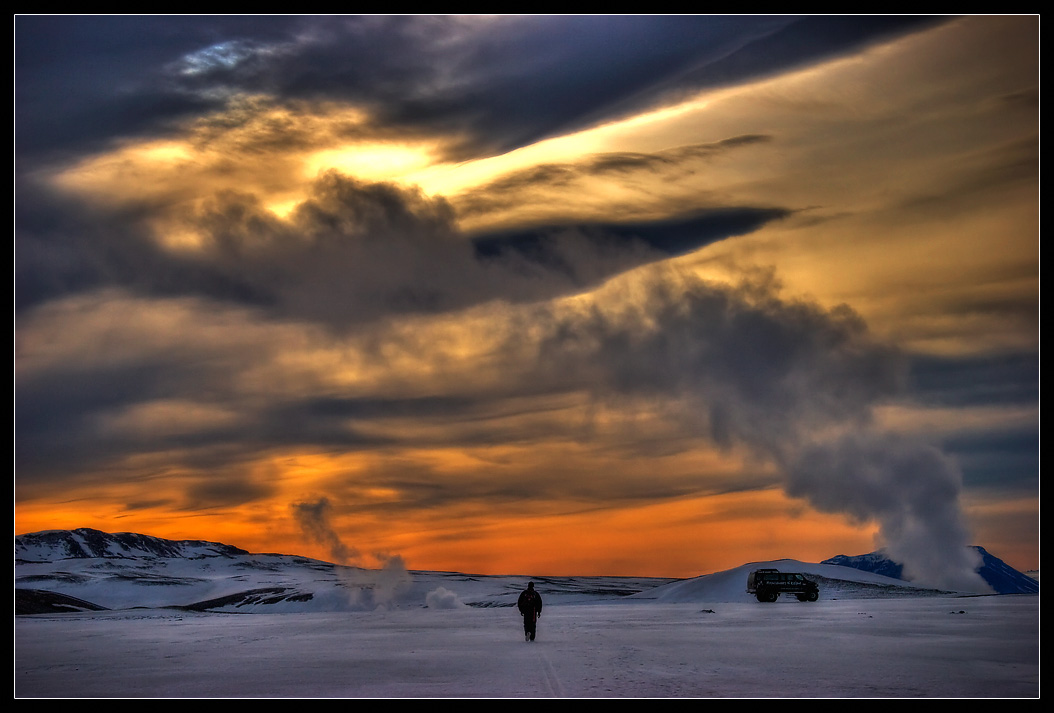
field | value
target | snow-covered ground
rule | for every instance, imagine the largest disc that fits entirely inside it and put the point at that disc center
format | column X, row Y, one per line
column 203, row 620
column 889, row 647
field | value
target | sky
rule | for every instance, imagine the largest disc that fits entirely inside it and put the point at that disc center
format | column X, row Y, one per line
column 609, row 295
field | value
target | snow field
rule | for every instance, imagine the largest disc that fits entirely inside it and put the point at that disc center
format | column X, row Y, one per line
column 903, row 647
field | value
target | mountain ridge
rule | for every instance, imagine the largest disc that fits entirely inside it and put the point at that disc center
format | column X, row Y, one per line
column 85, row 542
column 61, row 571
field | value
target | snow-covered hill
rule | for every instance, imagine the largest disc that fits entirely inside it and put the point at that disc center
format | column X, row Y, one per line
column 81, row 569
column 126, row 570
column 835, row 582
column 52, row 545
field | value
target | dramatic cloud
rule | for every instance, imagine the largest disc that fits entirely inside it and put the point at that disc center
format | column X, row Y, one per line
column 355, row 251
column 494, row 292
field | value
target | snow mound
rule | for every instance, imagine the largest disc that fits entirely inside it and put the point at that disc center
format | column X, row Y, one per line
column 836, row 582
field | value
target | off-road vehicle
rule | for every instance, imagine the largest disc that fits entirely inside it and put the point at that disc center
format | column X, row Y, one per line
column 768, row 584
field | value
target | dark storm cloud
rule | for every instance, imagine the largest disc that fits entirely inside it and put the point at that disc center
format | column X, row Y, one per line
column 553, row 247
column 976, row 380
column 729, row 364
column 65, row 246
column 498, row 83
column 1005, row 458
column 1006, row 455
column 224, row 489
column 81, row 81
column 351, row 252
column 526, row 79
column 58, row 410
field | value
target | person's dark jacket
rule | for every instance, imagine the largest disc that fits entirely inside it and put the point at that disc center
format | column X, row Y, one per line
column 530, row 602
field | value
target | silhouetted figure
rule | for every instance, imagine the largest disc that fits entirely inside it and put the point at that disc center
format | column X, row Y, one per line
column 530, row 605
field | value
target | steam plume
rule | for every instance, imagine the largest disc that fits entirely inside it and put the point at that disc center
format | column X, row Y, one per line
column 314, row 521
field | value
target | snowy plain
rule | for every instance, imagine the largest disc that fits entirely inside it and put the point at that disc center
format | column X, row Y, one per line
column 903, row 647
column 398, row 634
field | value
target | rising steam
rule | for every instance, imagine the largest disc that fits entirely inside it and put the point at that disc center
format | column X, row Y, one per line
column 795, row 384
column 315, row 522
column 368, row 589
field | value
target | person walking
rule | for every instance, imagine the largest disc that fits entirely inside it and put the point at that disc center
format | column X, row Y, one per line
column 530, row 606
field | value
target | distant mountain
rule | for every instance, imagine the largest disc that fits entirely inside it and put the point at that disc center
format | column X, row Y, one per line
column 1003, row 578
column 52, row 545
column 876, row 562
